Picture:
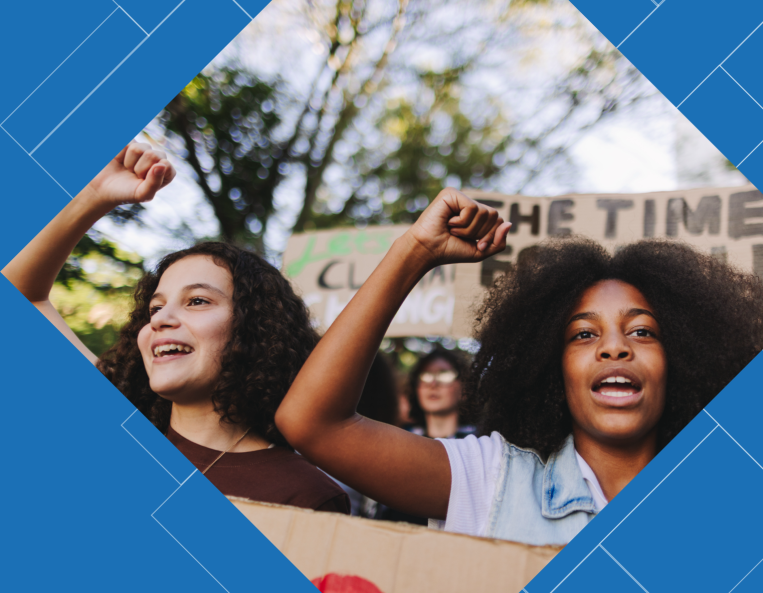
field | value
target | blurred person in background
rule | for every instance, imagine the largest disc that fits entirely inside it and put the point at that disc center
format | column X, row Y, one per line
column 435, row 395
column 590, row 363
column 434, row 398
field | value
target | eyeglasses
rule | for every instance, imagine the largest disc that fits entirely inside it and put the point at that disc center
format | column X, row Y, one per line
column 443, row 377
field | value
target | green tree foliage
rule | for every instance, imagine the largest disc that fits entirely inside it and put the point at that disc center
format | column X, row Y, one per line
column 370, row 127
column 225, row 122
column 93, row 291
column 364, row 110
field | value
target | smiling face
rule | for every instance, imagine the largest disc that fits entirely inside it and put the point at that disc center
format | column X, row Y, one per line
column 191, row 313
column 439, row 390
column 614, row 366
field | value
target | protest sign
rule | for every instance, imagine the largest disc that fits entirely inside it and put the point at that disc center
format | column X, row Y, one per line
column 353, row 555
column 725, row 222
column 328, row 268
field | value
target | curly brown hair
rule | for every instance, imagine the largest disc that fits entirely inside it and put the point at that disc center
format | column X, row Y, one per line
column 710, row 314
column 271, row 339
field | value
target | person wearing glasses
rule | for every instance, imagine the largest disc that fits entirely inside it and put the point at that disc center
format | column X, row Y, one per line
column 590, row 362
column 435, row 395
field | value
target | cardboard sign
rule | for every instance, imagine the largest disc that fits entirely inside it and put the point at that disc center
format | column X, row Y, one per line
column 328, row 268
column 349, row 554
column 726, row 222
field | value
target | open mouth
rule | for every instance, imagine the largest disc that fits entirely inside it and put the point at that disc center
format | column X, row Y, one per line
column 171, row 350
column 617, row 386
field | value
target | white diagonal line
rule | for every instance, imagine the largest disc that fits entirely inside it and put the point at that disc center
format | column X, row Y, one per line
column 173, row 492
column 719, row 65
column 641, row 23
column 173, row 537
column 659, row 484
column 740, row 86
column 129, row 17
column 130, row 416
column 625, row 569
column 634, row 508
column 748, row 156
column 574, row 569
column 149, row 452
column 699, row 85
column 165, row 18
column 88, row 96
column 38, row 164
column 191, row 555
column 745, row 576
column 733, row 439
column 242, row 8
column 104, row 80
column 57, row 67
column 756, row 102
column 741, row 44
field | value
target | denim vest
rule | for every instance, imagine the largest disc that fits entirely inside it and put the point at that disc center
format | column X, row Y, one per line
column 537, row 503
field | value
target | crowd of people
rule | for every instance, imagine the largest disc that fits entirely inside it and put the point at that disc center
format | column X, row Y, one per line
column 589, row 364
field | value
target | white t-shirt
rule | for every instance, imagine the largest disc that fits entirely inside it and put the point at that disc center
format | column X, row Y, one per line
column 474, row 466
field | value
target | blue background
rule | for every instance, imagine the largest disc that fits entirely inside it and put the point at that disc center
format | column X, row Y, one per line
column 689, row 521
column 94, row 498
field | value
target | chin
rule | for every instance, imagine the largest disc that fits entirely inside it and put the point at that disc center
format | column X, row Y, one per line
column 167, row 389
column 167, row 394
column 624, row 434
column 434, row 410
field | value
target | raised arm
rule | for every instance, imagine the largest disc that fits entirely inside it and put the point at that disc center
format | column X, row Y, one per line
column 402, row 470
column 135, row 175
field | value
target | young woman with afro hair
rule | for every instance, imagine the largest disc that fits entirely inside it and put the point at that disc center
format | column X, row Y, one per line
column 589, row 364
column 215, row 339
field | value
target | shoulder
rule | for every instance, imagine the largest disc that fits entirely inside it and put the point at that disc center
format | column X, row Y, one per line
column 488, row 453
column 299, row 483
column 527, row 455
column 475, row 464
column 296, row 466
column 474, row 455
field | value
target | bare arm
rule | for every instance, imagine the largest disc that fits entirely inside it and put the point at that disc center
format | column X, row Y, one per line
column 135, row 175
column 318, row 417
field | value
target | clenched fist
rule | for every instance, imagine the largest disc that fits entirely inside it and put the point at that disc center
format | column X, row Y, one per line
column 135, row 175
column 455, row 228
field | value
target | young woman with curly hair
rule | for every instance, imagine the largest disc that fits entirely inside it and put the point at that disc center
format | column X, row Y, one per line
column 215, row 339
column 589, row 364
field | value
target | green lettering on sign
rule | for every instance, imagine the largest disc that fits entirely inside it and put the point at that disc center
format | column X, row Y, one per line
column 341, row 245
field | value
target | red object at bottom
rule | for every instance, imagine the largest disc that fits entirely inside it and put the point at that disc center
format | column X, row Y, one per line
column 337, row 583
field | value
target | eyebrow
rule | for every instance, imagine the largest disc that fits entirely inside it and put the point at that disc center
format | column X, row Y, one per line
column 589, row 315
column 630, row 313
column 635, row 312
column 201, row 285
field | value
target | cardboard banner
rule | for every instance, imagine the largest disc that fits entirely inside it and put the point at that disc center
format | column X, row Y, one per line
column 726, row 222
column 364, row 556
column 328, row 267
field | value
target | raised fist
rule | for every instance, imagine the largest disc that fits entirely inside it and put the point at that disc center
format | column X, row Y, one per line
column 455, row 228
column 135, row 175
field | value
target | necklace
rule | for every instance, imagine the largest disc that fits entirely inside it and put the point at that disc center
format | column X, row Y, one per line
column 241, row 438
